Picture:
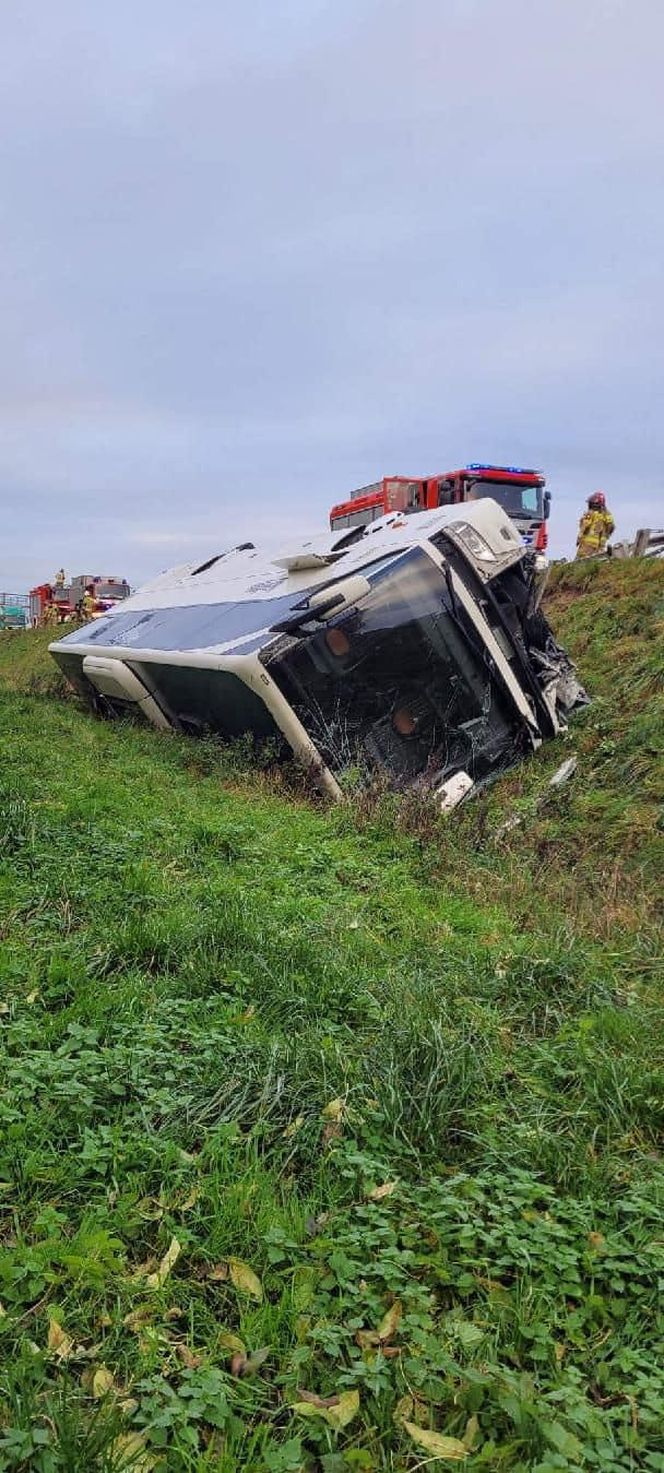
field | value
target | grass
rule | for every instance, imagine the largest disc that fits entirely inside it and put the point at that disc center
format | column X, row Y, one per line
column 300, row 1104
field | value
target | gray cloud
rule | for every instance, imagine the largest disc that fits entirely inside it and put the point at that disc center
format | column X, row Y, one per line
column 253, row 256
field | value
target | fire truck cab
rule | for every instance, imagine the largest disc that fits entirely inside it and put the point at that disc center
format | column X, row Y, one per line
column 106, row 591
column 520, row 492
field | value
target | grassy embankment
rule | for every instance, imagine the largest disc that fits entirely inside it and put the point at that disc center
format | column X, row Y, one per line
column 298, row 1104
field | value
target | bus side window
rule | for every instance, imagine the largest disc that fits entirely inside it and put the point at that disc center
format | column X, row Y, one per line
column 445, row 493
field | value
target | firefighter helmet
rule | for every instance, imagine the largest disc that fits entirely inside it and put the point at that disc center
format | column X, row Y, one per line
column 597, row 500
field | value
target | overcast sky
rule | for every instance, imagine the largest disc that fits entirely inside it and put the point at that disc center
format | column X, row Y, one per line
column 257, row 253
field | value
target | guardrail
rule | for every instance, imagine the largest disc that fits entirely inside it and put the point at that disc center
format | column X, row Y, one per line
column 648, row 543
column 15, row 600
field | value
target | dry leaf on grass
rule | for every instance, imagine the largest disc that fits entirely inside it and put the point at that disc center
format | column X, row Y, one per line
column 170, row 1258
column 150, row 1209
column 58, row 1342
column 189, row 1201
column 142, row 1270
column 403, row 1410
column 387, row 1329
column 337, row 1415
column 129, row 1453
column 138, row 1318
column 244, row 1279
column 343, row 1412
column 293, row 1128
column 255, row 1361
column 188, row 1357
column 450, row 1449
column 232, row 1343
column 470, row 1434
column 389, row 1324
column 334, row 1110
column 314, row 1400
column 379, row 1194
column 102, row 1382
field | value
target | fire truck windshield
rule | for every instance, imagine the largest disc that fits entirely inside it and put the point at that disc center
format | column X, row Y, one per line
column 110, row 590
column 516, row 497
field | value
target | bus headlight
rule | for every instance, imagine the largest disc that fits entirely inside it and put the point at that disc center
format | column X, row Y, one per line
column 472, row 541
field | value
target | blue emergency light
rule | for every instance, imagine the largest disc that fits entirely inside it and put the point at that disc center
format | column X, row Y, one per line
column 515, row 470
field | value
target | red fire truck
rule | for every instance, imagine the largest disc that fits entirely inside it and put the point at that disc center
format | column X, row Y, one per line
column 520, row 492
column 68, row 596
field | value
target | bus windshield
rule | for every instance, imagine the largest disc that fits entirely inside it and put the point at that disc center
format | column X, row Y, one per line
column 516, row 497
column 396, row 683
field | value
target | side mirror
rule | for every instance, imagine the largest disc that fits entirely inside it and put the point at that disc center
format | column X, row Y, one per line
column 547, row 505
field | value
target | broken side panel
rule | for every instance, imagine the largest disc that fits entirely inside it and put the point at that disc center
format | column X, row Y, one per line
column 512, row 608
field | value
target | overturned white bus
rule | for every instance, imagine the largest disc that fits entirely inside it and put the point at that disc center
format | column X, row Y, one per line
column 415, row 645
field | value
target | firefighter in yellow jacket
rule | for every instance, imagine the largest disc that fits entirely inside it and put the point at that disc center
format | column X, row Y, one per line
column 595, row 527
column 88, row 603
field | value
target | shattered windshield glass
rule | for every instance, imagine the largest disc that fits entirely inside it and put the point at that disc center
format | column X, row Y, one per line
column 399, row 682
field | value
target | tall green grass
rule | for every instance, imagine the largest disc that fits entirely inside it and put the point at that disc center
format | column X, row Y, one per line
column 392, row 1084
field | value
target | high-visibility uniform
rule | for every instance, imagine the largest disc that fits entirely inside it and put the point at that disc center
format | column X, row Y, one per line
column 50, row 614
column 60, row 579
column 88, row 606
column 595, row 528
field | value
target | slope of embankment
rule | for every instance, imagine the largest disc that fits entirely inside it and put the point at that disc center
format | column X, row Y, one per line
column 329, row 1139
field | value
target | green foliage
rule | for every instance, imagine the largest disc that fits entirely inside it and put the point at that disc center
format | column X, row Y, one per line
column 392, row 1087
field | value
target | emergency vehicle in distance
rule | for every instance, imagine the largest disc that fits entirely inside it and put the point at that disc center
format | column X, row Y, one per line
column 67, row 597
column 521, row 493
